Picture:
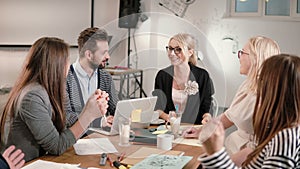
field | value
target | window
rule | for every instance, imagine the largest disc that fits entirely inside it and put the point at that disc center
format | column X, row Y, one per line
column 277, row 7
column 296, row 10
column 245, row 8
column 298, row 6
column 288, row 9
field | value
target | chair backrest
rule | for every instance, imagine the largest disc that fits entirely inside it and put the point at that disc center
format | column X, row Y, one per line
column 214, row 107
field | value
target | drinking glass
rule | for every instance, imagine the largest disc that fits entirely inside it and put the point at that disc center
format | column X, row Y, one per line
column 125, row 133
column 174, row 120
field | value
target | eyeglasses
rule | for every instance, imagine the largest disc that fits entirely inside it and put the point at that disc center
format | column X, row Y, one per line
column 241, row 52
column 177, row 50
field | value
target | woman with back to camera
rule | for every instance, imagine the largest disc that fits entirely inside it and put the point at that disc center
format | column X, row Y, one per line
column 240, row 112
column 34, row 116
column 183, row 85
column 276, row 120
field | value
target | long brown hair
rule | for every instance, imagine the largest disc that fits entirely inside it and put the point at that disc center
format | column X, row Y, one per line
column 278, row 99
column 46, row 65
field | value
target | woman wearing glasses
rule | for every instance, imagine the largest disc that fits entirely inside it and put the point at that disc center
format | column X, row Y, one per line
column 240, row 112
column 183, row 86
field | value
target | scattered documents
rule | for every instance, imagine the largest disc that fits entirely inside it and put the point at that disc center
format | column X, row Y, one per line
column 94, row 146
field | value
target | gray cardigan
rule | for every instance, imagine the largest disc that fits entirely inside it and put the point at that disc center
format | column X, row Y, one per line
column 74, row 96
column 32, row 129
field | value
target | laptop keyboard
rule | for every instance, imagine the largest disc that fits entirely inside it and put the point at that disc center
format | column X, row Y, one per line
column 106, row 128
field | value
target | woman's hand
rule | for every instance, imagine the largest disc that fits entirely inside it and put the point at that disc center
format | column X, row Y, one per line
column 163, row 115
column 191, row 132
column 14, row 158
column 206, row 118
column 215, row 142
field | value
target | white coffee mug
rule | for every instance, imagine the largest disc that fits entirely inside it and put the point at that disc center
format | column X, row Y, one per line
column 164, row 141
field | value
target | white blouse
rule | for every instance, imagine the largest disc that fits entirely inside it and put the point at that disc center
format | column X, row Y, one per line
column 179, row 98
column 240, row 113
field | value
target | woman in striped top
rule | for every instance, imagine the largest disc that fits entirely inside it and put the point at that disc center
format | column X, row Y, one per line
column 276, row 120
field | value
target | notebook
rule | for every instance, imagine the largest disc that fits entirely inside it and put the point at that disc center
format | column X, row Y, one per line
column 140, row 109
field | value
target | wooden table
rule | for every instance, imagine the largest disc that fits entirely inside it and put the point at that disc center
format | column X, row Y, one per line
column 93, row 160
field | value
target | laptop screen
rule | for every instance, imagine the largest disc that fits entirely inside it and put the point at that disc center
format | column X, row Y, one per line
column 139, row 110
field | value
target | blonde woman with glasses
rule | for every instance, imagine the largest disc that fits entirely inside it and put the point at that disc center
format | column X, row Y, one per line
column 183, row 86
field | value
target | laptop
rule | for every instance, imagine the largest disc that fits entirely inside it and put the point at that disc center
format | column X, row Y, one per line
column 139, row 110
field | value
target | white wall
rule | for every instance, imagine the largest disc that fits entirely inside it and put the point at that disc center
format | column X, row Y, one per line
column 204, row 19
column 23, row 22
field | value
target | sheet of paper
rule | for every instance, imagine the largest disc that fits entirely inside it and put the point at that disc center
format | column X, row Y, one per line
column 50, row 165
column 94, row 146
column 191, row 142
column 163, row 162
column 160, row 131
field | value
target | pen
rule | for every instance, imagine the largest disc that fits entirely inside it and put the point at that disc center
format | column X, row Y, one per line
column 121, row 157
column 110, row 161
column 105, row 118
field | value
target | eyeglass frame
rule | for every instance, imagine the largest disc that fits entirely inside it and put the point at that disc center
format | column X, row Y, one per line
column 177, row 50
column 240, row 52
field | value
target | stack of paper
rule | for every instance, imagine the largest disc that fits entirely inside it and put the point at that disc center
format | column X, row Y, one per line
column 50, row 165
column 94, row 146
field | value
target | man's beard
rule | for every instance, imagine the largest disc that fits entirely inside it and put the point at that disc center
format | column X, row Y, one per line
column 102, row 66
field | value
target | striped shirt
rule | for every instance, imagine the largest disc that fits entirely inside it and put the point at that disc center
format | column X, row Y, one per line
column 74, row 101
column 282, row 151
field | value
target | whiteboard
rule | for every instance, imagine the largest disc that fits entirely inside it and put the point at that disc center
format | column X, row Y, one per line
column 24, row 21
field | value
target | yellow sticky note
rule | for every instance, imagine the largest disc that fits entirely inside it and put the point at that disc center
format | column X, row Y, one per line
column 136, row 115
column 160, row 132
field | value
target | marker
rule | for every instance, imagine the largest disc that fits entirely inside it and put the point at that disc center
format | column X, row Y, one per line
column 121, row 157
column 110, row 161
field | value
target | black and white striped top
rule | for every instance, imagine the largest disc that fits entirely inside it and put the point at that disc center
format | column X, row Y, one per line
column 282, row 151
column 74, row 101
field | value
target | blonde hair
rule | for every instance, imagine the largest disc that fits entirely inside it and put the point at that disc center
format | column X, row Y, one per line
column 187, row 41
column 261, row 48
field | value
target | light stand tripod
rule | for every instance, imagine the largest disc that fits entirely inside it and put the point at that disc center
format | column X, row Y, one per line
column 129, row 66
